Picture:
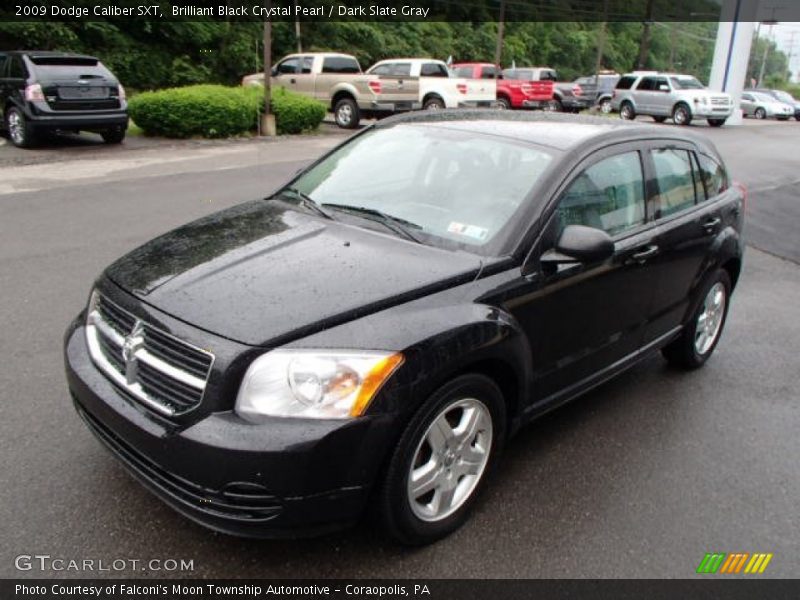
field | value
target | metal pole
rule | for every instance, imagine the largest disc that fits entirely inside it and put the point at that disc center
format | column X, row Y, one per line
column 498, row 52
column 764, row 59
column 297, row 35
column 601, row 43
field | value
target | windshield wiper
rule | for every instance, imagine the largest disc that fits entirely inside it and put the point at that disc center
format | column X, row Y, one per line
column 396, row 224
column 306, row 201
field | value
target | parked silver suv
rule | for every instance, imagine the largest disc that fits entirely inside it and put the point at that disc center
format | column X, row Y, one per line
column 669, row 95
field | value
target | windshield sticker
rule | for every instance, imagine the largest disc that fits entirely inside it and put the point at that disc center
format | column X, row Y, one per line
column 472, row 231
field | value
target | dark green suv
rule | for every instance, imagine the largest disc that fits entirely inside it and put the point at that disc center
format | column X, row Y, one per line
column 45, row 92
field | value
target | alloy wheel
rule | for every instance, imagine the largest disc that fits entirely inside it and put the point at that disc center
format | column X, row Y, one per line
column 344, row 114
column 450, row 459
column 709, row 322
column 16, row 127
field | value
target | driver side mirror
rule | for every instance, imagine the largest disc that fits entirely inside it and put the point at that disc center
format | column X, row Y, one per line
column 579, row 243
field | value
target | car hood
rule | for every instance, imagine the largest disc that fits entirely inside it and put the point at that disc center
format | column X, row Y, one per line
column 262, row 273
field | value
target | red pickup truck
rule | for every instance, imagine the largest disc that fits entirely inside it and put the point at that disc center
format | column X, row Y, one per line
column 511, row 93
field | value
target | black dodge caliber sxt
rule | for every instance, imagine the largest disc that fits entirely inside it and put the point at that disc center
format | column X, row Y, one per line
column 371, row 334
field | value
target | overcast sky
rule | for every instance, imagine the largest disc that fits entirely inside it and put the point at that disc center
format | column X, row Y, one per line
column 787, row 35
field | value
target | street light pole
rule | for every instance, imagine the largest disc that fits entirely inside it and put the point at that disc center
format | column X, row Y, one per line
column 267, row 124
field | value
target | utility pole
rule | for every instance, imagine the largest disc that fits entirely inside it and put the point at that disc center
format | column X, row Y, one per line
column 789, row 55
column 601, row 44
column 644, row 44
column 498, row 51
column 764, row 58
column 267, row 124
column 297, row 35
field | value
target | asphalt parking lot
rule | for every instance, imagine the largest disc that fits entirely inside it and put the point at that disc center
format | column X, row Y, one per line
column 639, row 478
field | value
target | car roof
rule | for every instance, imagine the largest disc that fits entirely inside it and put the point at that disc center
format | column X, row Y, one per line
column 52, row 53
column 558, row 131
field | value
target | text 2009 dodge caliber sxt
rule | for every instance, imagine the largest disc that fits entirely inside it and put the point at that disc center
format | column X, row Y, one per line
column 371, row 334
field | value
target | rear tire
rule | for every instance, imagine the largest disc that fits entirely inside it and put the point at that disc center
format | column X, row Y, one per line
column 19, row 129
column 701, row 333
column 503, row 104
column 555, row 106
column 433, row 104
column 605, row 106
column 627, row 112
column 114, row 136
column 346, row 113
column 682, row 115
column 450, row 445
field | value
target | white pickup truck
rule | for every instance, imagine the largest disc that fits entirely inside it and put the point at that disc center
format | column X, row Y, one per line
column 434, row 86
column 337, row 80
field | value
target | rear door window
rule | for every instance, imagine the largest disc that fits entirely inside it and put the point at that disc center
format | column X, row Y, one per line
column 290, row 66
column 340, row 64
column 433, row 70
column 647, row 84
column 609, row 195
column 488, row 72
column 17, row 69
column 673, row 169
column 465, row 72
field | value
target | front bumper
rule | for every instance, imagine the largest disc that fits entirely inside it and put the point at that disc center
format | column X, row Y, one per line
column 477, row 104
column 714, row 112
column 535, row 103
column 283, row 478
column 575, row 103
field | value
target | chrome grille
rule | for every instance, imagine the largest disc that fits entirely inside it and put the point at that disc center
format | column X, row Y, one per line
column 719, row 100
column 163, row 372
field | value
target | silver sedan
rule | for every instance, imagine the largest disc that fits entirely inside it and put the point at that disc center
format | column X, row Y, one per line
column 762, row 106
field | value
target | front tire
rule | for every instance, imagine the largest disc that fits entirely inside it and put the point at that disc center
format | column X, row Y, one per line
column 442, row 459
column 760, row 113
column 605, row 106
column 682, row 115
column 627, row 112
column 346, row 113
column 19, row 129
column 701, row 334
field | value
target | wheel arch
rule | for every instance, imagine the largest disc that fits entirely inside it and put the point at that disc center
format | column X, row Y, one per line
column 342, row 94
column 433, row 96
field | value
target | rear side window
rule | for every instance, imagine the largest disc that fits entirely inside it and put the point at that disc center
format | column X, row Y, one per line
column 488, row 72
column 609, row 195
column 465, row 72
column 17, row 69
column 713, row 174
column 673, row 169
column 548, row 75
column 340, row 64
column 433, row 70
column 625, row 83
column 646, row 84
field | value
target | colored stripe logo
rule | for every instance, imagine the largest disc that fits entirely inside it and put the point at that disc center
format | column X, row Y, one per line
column 734, row 563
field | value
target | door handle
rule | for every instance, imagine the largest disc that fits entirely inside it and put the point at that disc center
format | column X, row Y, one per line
column 645, row 253
column 711, row 225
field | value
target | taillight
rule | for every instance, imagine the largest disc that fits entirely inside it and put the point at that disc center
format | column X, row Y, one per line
column 121, row 92
column 462, row 88
column 743, row 188
column 34, row 93
column 375, row 86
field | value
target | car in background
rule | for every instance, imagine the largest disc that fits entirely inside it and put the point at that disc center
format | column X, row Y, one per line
column 46, row 92
column 436, row 87
column 783, row 96
column 567, row 96
column 600, row 88
column 337, row 80
column 675, row 96
column 763, row 104
column 368, row 337
column 511, row 93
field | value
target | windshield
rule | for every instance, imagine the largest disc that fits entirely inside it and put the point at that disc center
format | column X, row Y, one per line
column 784, row 97
column 453, row 187
column 686, row 83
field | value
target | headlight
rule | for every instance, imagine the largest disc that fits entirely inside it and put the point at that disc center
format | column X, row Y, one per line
column 317, row 384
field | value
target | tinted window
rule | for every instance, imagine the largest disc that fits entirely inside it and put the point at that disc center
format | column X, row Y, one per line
column 340, row 64
column 646, row 84
column 3, row 58
column 17, row 68
column 289, row 66
column 675, row 184
column 626, row 82
column 660, row 81
column 699, row 186
column 433, row 70
column 714, row 176
column 609, row 195
column 488, row 72
column 548, row 75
